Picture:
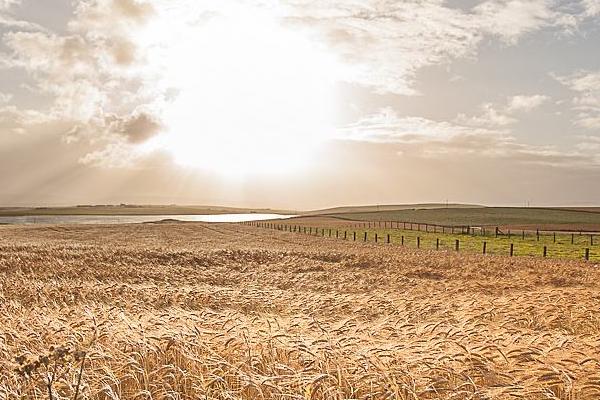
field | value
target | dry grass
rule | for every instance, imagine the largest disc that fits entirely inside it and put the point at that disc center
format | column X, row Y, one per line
column 188, row 311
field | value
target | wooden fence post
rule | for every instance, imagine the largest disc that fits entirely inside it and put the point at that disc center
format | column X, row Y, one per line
column 523, row 235
column 402, row 240
column 437, row 243
column 354, row 239
column 512, row 249
column 457, row 245
column 554, row 237
column 388, row 238
column 587, row 254
column 537, row 233
column 418, row 242
column 484, row 247
column 375, row 237
column 572, row 238
column 365, row 237
column 545, row 251
column 345, row 235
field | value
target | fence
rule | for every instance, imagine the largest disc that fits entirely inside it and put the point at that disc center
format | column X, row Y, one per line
column 529, row 243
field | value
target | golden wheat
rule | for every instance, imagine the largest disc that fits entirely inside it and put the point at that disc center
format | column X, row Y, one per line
column 187, row 311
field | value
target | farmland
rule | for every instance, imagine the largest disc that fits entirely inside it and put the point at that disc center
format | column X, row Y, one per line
column 223, row 311
column 576, row 245
column 586, row 219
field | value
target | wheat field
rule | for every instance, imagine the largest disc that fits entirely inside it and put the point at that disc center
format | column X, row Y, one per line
column 224, row 311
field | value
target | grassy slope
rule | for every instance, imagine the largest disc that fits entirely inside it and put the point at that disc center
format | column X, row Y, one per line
column 482, row 216
column 387, row 208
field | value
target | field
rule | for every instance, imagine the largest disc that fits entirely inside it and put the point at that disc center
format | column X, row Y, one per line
column 586, row 219
column 524, row 243
column 387, row 208
column 223, row 311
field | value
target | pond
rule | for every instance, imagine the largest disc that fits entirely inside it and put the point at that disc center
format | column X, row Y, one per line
column 131, row 219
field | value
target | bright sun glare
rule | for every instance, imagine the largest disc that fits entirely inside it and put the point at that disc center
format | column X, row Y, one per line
column 252, row 95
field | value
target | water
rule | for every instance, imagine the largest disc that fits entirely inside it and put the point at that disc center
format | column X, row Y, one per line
column 133, row 219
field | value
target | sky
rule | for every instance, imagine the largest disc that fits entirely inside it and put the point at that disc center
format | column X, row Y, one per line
column 299, row 104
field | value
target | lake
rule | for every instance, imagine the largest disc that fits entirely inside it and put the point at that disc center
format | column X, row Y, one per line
column 133, row 219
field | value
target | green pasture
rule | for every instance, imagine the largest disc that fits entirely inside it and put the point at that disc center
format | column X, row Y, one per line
column 484, row 216
column 559, row 245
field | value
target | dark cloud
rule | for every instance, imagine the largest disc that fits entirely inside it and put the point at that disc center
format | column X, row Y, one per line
column 139, row 127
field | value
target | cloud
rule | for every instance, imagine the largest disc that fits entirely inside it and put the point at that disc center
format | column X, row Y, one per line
column 6, row 4
column 489, row 117
column 92, row 72
column 591, row 7
column 589, row 143
column 389, row 41
column 387, row 127
column 526, row 102
column 511, row 19
column 136, row 128
column 5, row 98
column 10, row 22
column 586, row 103
column 115, row 155
column 109, row 18
column 99, row 77
column 422, row 137
column 494, row 115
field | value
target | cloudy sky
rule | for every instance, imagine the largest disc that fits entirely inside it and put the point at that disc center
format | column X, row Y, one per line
column 299, row 103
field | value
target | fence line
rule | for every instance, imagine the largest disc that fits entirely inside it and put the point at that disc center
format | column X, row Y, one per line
column 374, row 225
column 480, row 230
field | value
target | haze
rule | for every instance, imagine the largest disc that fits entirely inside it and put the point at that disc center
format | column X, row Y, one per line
column 299, row 104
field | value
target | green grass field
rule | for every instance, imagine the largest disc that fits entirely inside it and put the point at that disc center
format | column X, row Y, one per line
column 529, row 246
column 487, row 216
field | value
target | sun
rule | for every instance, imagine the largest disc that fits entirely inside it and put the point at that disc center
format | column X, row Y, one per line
column 250, row 94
